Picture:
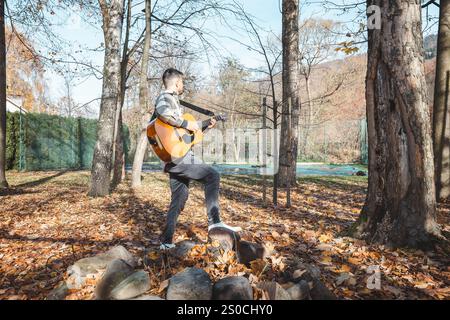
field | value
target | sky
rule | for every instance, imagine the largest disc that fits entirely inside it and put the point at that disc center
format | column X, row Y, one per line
column 79, row 34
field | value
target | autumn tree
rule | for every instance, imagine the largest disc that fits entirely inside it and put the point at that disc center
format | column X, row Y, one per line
column 238, row 100
column 441, row 120
column 3, row 182
column 400, row 207
column 112, row 12
column 24, row 71
column 291, row 100
column 34, row 46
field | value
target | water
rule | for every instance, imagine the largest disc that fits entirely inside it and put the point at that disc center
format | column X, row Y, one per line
column 303, row 169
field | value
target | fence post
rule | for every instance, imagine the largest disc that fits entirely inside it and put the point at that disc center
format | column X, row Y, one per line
column 21, row 151
column 80, row 141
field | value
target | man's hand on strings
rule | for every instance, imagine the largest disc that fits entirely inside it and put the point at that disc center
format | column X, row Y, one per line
column 192, row 126
column 212, row 123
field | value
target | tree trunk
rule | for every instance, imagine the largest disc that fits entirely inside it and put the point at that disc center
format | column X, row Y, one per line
column 101, row 163
column 441, row 125
column 118, row 154
column 141, row 145
column 3, row 182
column 288, row 149
column 400, row 204
column 308, row 118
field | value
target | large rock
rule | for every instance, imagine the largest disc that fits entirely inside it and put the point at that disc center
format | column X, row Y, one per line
column 275, row 291
column 233, row 288
column 182, row 249
column 311, row 274
column 190, row 284
column 81, row 269
column 79, row 272
column 320, row 292
column 299, row 291
column 306, row 272
column 119, row 252
column 227, row 239
column 134, row 285
column 117, row 271
column 59, row 293
column 249, row 251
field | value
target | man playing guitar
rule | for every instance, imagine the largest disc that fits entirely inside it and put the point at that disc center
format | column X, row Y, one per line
column 187, row 168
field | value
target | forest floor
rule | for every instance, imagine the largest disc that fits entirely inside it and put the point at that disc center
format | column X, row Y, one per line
column 47, row 222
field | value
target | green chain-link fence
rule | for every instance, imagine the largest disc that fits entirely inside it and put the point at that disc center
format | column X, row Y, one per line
column 37, row 141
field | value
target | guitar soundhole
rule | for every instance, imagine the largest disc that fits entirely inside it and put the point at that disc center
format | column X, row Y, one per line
column 152, row 141
column 188, row 138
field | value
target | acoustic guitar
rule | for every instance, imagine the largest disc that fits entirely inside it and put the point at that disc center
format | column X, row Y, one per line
column 170, row 143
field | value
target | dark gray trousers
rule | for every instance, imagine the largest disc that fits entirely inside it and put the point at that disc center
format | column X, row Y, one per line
column 180, row 175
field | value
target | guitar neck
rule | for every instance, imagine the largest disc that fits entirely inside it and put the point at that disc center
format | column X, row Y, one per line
column 205, row 123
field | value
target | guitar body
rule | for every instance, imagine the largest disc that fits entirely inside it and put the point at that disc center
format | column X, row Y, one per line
column 170, row 143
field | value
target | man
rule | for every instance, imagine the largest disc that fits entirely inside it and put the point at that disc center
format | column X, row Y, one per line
column 188, row 168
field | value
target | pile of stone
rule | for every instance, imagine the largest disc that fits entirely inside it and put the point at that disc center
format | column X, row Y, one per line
column 122, row 280
column 195, row 284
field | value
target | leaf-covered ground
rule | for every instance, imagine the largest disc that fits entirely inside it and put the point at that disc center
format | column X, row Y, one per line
column 47, row 222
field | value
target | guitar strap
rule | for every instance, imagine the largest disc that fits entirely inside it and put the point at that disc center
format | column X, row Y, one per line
column 189, row 106
column 196, row 108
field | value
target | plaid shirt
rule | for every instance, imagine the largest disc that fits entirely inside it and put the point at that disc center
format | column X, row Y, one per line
column 168, row 109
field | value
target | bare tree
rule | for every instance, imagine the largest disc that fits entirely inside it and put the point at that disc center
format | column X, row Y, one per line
column 291, row 100
column 400, row 207
column 316, row 39
column 141, row 145
column 241, row 102
column 112, row 13
column 271, row 53
column 441, row 120
column 67, row 105
column 118, row 147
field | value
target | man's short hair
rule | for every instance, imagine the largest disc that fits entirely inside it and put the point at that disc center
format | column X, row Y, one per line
column 170, row 75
